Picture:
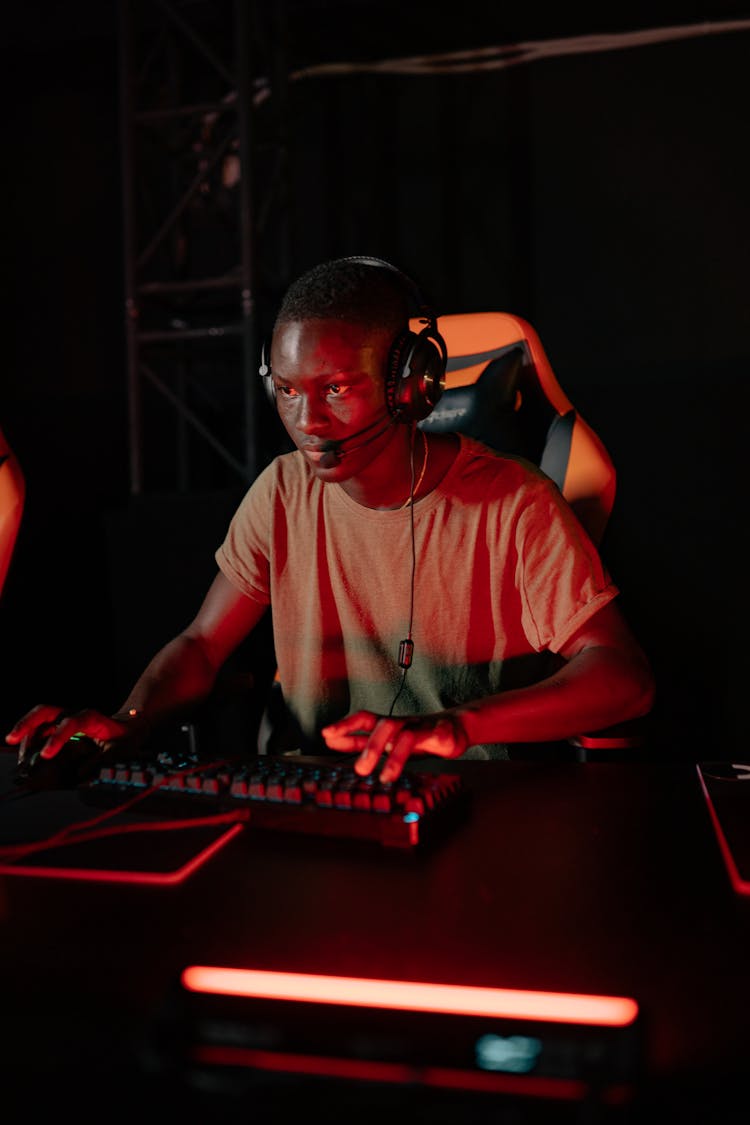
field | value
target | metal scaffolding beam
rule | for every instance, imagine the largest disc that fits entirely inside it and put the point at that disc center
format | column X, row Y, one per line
column 191, row 230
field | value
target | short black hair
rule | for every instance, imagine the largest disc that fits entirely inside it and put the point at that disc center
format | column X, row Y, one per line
column 369, row 292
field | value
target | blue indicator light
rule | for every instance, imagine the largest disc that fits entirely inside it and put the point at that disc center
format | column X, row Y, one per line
column 514, row 1054
column 411, row 817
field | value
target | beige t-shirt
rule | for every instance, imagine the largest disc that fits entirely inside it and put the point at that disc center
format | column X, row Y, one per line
column 504, row 572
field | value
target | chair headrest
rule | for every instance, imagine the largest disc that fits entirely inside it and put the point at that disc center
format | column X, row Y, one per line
column 486, row 409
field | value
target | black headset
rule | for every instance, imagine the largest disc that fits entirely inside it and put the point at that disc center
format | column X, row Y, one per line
column 415, row 374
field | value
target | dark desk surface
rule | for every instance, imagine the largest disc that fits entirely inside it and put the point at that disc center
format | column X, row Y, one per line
column 590, row 878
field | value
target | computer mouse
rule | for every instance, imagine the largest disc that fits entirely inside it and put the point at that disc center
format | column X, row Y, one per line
column 77, row 760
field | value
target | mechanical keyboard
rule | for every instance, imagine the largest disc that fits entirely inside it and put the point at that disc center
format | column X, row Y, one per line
column 292, row 794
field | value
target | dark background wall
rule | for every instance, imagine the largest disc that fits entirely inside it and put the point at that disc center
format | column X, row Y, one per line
column 601, row 195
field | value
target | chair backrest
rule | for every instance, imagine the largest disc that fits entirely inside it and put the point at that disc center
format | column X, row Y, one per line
column 501, row 389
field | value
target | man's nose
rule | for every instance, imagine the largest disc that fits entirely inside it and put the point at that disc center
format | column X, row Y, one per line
column 312, row 417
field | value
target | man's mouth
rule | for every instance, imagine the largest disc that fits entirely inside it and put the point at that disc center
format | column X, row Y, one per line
column 326, row 456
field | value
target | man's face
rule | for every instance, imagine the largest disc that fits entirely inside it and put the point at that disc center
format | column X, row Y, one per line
column 329, row 377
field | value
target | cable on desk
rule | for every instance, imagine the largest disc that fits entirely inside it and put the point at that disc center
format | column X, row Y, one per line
column 85, row 832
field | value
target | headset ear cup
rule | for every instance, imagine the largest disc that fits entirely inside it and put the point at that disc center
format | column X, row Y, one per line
column 416, row 375
column 264, row 371
column 400, row 349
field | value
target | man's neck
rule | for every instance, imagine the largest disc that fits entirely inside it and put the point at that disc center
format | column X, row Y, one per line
column 434, row 454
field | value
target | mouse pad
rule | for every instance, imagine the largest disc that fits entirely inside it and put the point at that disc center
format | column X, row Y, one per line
column 58, row 835
column 726, row 788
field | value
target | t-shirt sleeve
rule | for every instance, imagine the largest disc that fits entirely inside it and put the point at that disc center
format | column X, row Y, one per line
column 560, row 574
column 244, row 556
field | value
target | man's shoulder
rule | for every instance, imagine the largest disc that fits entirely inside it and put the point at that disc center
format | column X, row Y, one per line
column 475, row 459
column 285, row 471
column 276, row 483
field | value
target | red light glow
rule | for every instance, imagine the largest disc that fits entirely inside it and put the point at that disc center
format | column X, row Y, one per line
column 371, row 1070
column 741, row 886
column 553, row 1007
column 101, row 875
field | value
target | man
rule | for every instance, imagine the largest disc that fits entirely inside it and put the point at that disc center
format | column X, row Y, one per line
column 421, row 586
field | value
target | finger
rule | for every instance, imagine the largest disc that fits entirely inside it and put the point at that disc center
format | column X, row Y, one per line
column 347, row 745
column 445, row 738
column 30, row 745
column 366, row 762
column 91, row 724
column 358, row 721
column 398, row 757
column 381, row 741
column 350, row 733
column 354, row 741
column 61, row 733
column 38, row 716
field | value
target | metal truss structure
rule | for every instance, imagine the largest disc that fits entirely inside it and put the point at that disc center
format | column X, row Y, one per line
column 207, row 214
column 196, row 119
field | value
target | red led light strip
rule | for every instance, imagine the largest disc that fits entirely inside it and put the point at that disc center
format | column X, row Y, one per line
column 101, row 875
column 741, row 886
column 553, row 1007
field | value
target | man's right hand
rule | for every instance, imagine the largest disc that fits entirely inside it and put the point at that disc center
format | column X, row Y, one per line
column 45, row 729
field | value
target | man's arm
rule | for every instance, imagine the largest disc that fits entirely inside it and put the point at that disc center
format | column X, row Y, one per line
column 184, row 671
column 606, row 680
column 179, row 676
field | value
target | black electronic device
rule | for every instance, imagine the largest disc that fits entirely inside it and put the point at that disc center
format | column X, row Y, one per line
column 241, row 1033
column 77, row 760
column 297, row 794
column 415, row 375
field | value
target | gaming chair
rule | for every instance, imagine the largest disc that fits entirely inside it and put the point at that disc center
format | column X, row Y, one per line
column 500, row 389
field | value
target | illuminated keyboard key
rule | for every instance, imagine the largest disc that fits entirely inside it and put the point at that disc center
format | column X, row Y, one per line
column 382, row 802
column 310, row 786
column 324, row 794
column 275, row 789
column 362, row 799
column 256, row 786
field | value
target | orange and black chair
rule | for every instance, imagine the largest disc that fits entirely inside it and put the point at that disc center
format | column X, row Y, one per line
column 500, row 388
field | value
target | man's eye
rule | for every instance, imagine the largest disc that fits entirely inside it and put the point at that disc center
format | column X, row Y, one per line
column 336, row 388
column 286, row 392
